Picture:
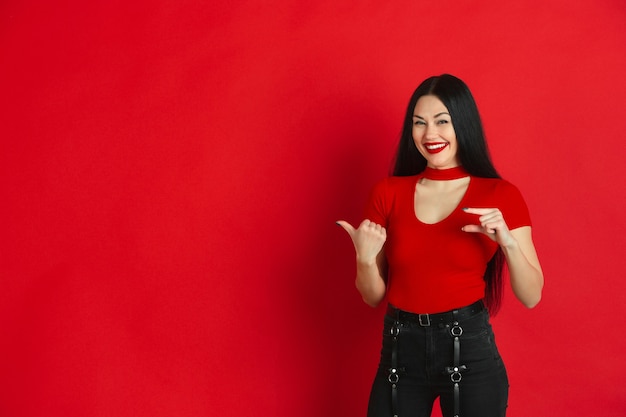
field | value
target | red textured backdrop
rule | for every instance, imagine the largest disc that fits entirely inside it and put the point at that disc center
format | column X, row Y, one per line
column 171, row 172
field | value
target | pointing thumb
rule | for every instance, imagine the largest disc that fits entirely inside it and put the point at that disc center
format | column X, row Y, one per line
column 346, row 226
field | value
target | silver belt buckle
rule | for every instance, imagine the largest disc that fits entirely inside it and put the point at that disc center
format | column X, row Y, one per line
column 424, row 320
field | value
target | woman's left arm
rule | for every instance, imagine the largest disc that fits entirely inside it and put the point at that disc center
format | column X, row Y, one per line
column 519, row 251
column 524, row 267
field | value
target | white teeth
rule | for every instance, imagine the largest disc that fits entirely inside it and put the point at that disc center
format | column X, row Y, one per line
column 438, row 146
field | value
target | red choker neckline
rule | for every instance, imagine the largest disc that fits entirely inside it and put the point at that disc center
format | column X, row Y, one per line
column 444, row 174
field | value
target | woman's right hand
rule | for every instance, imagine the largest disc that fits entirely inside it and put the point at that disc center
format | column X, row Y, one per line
column 368, row 239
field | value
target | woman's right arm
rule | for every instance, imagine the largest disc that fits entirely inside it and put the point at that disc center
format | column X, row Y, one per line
column 371, row 279
column 371, row 265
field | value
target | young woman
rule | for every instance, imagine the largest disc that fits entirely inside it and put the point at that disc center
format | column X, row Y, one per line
column 434, row 241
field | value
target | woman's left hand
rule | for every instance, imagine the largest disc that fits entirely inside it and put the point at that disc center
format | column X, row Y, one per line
column 492, row 224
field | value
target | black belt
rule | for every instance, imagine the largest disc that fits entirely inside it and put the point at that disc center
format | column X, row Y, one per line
column 426, row 320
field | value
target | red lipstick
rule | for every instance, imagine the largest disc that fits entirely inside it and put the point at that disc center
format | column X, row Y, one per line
column 435, row 147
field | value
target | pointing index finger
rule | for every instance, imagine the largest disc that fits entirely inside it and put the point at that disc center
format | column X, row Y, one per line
column 478, row 211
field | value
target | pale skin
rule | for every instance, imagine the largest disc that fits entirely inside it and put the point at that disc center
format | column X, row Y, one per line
column 434, row 201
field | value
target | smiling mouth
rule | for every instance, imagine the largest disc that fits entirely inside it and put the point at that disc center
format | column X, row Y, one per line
column 433, row 148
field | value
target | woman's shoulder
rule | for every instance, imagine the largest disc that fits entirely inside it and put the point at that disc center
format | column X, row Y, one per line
column 386, row 194
column 497, row 192
column 392, row 187
column 497, row 187
column 394, row 180
column 394, row 183
column 495, row 184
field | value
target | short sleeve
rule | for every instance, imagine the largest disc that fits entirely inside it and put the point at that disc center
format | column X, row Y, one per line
column 513, row 206
column 377, row 207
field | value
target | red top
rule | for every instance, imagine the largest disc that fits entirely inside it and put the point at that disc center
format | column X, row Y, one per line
column 438, row 267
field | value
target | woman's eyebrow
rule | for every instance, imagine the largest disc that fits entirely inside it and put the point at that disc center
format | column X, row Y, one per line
column 437, row 115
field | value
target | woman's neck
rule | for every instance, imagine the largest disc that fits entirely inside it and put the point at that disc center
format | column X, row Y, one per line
column 445, row 174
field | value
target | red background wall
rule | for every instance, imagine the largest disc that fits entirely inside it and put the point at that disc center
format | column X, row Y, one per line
column 171, row 173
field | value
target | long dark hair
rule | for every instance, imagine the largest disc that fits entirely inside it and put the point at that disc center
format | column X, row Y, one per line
column 472, row 151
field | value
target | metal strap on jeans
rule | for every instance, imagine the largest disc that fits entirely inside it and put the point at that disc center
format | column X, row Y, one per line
column 455, row 370
column 394, row 376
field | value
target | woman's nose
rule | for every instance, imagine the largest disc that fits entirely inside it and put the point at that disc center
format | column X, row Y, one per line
column 431, row 131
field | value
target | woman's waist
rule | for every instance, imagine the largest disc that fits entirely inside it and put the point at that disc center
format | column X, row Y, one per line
column 434, row 295
column 435, row 319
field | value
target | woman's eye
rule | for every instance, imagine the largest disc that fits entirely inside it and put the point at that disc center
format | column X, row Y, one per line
column 419, row 122
column 442, row 122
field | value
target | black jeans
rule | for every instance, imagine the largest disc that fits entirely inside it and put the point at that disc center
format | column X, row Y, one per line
column 424, row 356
